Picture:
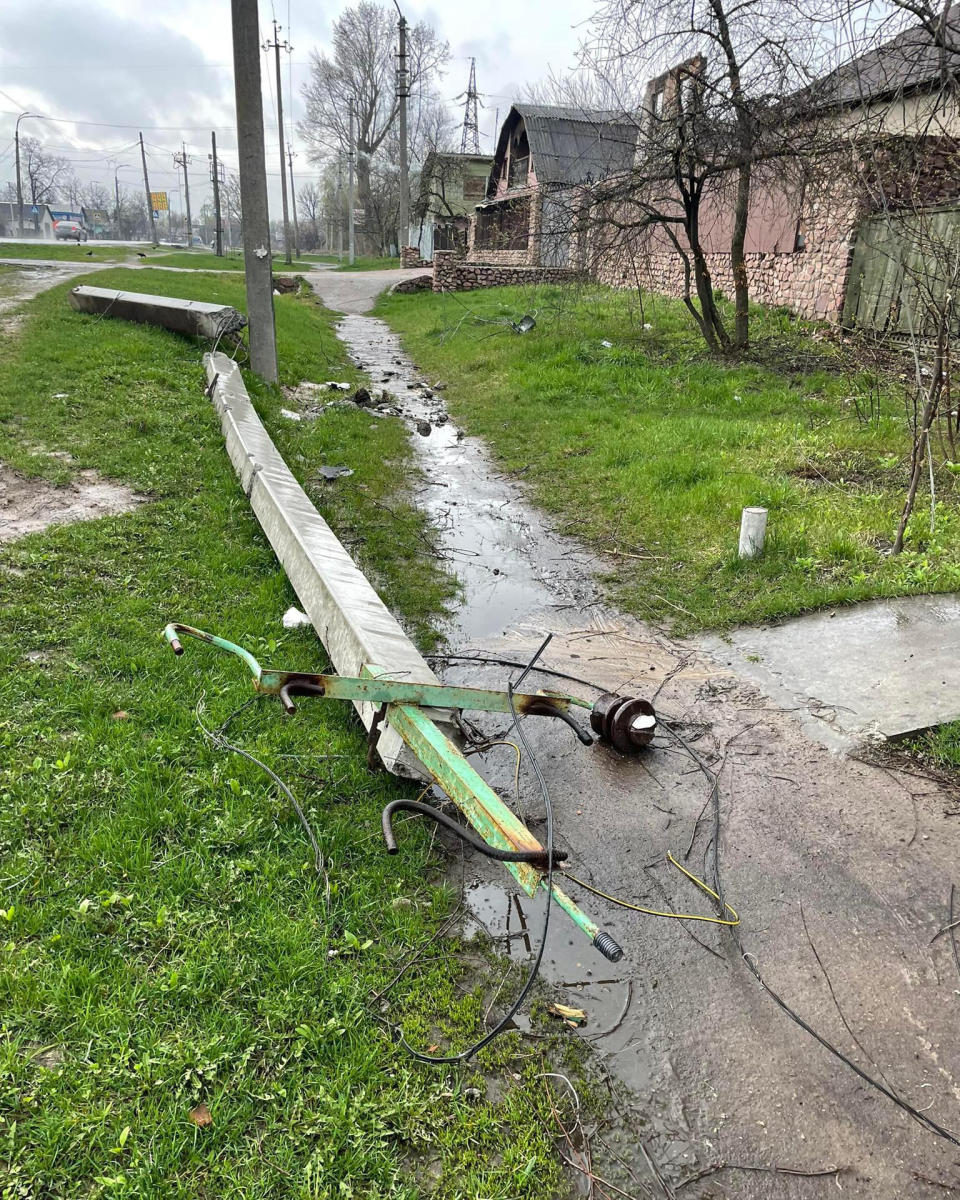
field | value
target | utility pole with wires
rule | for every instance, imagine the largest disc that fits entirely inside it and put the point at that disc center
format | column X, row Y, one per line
column 293, row 202
column 215, row 169
column 257, row 260
column 403, row 233
column 277, row 46
column 470, row 138
column 182, row 160
column 350, row 200
column 340, row 207
column 146, row 188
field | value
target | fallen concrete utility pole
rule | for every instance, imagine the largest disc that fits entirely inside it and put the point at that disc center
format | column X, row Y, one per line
column 191, row 317
column 405, row 711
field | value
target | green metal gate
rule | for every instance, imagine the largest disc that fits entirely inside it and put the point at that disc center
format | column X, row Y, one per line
column 904, row 265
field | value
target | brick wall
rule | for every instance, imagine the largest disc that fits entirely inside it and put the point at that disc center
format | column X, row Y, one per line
column 452, row 274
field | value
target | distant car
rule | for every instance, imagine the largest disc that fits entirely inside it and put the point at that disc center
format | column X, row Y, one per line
column 65, row 231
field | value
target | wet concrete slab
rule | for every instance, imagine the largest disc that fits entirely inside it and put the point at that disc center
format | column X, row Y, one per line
column 888, row 667
column 840, row 871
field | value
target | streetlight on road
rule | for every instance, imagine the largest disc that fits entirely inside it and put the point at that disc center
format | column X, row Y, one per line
column 16, row 139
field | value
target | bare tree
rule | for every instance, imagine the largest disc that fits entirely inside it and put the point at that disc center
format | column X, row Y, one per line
column 310, row 205
column 43, row 173
column 724, row 100
column 361, row 73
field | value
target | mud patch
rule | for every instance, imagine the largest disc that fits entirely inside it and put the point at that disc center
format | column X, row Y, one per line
column 31, row 505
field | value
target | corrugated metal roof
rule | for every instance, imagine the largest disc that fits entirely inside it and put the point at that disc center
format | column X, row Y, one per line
column 573, row 145
column 908, row 61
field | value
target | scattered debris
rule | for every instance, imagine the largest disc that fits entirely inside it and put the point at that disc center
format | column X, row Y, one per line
column 290, row 415
column 334, row 386
column 525, row 324
column 284, row 284
column 293, row 618
column 361, row 397
column 121, row 715
column 424, row 428
column 574, row 1017
column 30, row 505
column 608, row 345
column 201, row 1116
column 331, row 473
column 60, row 395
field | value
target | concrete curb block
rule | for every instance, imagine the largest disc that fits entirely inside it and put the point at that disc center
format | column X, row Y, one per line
column 351, row 620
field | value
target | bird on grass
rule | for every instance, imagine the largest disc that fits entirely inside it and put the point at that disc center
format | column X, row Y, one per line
column 140, row 254
column 89, row 254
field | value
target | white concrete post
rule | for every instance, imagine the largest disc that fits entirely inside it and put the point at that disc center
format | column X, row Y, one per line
column 753, row 530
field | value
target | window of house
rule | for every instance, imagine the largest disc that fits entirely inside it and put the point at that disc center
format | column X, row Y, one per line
column 474, row 187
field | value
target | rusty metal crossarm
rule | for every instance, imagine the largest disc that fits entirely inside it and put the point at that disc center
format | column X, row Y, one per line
column 486, row 812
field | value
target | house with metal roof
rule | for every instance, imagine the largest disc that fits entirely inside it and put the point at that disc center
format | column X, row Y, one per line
column 545, row 156
column 450, row 186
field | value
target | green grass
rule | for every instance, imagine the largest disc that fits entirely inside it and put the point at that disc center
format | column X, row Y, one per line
column 651, row 448
column 232, row 260
column 164, row 941
column 364, row 262
column 940, row 747
column 68, row 251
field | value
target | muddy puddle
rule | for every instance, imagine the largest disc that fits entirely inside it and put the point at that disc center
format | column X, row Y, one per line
column 29, row 505
column 814, row 847
column 510, row 563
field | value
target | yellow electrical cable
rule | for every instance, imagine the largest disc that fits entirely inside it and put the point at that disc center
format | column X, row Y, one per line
column 653, row 912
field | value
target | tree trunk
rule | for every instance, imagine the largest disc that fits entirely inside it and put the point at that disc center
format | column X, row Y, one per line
column 362, row 232
column 741, row 333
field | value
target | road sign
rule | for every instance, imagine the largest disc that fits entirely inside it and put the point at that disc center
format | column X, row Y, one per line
column 159, row 202
column 34, row 209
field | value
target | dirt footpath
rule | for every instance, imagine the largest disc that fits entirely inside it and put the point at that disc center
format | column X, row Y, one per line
column 841, row 872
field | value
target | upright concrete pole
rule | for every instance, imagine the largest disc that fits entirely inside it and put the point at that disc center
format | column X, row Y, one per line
column 215, row 168
column 16, row 138
column 277, row 46
column 340, row 207
column 257, row 262
column 293, row 201
column 350, row 229
column 146, row 188
column 186, row 193
column 404, row 231
column 182, row 160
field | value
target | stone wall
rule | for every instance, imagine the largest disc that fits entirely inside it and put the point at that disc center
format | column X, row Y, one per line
column 811, row 279
column 452, row 274
column 410, row 258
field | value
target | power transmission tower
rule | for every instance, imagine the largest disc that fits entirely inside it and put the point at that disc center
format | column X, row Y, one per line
column 277, row 46
column 470, row 138
column 182, row 160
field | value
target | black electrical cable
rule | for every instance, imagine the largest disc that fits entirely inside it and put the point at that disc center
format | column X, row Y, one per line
column 446, row 1059
column 749, row 962
column 509, row 662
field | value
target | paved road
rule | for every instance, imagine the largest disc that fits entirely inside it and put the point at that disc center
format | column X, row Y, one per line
column 355, row 291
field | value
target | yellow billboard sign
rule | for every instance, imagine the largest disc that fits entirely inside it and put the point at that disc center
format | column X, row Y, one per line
column 158, row 202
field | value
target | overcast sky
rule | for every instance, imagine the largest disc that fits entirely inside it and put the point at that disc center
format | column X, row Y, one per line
column 165, row 67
